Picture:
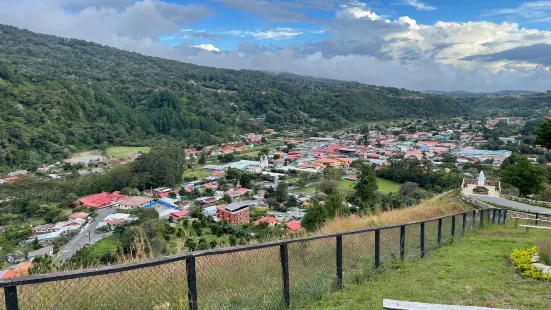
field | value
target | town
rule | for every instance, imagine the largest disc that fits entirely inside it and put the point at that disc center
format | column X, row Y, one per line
column 261, row 186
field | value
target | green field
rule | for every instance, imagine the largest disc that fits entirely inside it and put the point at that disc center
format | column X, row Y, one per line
column 107, row 244
column 473, row 271
column 347, row 187
column 197, row 172
column 122, row 152
column 385, row 186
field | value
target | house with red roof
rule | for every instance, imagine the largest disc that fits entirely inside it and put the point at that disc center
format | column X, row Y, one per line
column 267, row 219
column 235, row 193
column 78, row 215
column 179, row 214
column 101, row 200
column 294, row 226
column 19, row 270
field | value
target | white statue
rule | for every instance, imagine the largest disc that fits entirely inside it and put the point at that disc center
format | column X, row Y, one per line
column 481, row 178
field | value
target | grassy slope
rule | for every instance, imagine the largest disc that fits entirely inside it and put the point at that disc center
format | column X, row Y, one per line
column 473, row 271
column 440, row 205
column 122, row 152
column 346, row 187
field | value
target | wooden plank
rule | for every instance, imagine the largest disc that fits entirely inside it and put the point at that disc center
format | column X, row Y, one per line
column 532, row 226
column 408, row 305
column 531, row 219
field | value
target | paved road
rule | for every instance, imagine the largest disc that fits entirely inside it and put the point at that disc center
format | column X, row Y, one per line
column 82, row 238
column 513, row 204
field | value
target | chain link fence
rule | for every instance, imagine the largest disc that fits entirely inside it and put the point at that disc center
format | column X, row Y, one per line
column 275, row 275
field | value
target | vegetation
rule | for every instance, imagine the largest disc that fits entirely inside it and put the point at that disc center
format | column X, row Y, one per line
column 522, row 261
column 543, row 134
column 123, row 152
column 543, row 244
column 520, row 172
column 472, row 271
column 61, row 95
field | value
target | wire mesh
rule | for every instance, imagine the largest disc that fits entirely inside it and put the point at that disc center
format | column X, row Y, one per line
column 312, row 269
column 412, row 249
column 241, row 280
column 358, row 257
column 159, row 287
column 390, row 248
column 251, row 279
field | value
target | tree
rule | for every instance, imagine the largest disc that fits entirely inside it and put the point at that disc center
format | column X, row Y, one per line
column 164, row 165
column 315, row 216
column 528, row 178
column 332, row 174
column 232, row 240
column 327, row 186
column 41, row 264
column 365, row 191
column 202, row 159
column 281, row 193
column 334, row 205
column 543, row 134
column 292, row 202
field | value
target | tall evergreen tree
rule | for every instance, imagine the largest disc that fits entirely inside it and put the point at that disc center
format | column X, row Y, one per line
column 365, row 191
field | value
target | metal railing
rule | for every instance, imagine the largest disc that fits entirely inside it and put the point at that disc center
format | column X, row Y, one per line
column 272, row 275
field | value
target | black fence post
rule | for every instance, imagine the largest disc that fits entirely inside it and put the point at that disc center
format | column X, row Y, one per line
column 284, row 256
column 537, row 218
column 339, row 262
column 10, row 293
column 488, row 215
column 191, row 283
column 474, row 220
column 504, row 217
column 422, row 237
column 377, row 249
column 453, row 226
column 494, row 211
column 439, row 237
column 464, row 224
column 482, row 218
column 402, row 242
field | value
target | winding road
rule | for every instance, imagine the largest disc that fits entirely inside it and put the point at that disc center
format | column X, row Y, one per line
column 86, row 235
column 513, row 204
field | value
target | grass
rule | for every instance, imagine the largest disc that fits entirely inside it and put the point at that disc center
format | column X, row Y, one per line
column 105, row 245
column 122, row 152
column 196, row 171
column 346, row 187
column 473, row 271
column 440, row 205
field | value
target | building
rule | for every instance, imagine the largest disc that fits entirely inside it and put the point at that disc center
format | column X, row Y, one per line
column 134, row 202
column 267, row 219
column 161, row 192
column 294, row 226
column 44, row 229
column 101, row 200
column 234, row 213
column 178, row 214
column 19, row 270
column 78, row 215
column 235, row 193
column 117, row 219
column 328, row 162
column 164, row 208
column 47, row 250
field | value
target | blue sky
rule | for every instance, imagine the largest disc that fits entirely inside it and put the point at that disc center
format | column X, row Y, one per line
column 226, row 19
column 417, row 44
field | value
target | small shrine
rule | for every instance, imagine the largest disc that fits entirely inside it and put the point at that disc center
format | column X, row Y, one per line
column 481, row 186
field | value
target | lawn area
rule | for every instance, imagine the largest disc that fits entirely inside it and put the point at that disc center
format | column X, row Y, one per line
column 385, row 186
column 107, row 244
column 197, row 172
column 473, row 271
column 122, row 152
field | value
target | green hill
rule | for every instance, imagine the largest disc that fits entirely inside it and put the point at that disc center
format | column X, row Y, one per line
column 59, row 95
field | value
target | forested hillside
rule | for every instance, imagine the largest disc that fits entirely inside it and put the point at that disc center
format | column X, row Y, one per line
column 518, row 105
column 59, row 95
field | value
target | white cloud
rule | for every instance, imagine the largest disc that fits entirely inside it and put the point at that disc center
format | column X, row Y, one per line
column 208, row 47
column 274, row 34
column 420, row 6
column 538, row 11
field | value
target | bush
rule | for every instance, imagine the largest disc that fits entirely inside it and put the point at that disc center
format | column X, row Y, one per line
column 522, row 261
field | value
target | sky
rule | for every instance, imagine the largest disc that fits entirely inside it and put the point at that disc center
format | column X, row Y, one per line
column 447, row 45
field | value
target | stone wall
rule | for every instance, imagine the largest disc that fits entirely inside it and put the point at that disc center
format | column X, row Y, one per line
column 545, row 204
column 477, row 204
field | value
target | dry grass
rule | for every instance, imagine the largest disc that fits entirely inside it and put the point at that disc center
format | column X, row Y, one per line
column 544, row 249
column 444, row 204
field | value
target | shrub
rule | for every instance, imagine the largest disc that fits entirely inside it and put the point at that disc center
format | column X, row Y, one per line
column 544, row 250
column 522, row 261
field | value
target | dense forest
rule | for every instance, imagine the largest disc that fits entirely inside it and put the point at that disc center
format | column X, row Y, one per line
column 60, row 95
column 526, row 105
